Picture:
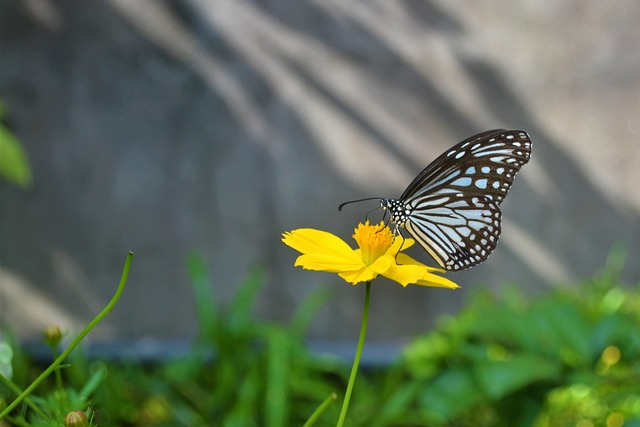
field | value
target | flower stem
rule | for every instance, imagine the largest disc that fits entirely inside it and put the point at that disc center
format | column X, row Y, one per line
column 57, row 373
column 17, row 390
column 356, row 360
column 75, row 342
column 323, row 407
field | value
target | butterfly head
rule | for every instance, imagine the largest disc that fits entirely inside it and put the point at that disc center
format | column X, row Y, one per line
column 398, row 211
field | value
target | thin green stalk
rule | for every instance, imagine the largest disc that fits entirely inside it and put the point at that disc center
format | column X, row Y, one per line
column 320, row 410
column 18, row 422
column 17, row 390
column 356, row 360
column 57, row 373
column 75, row 342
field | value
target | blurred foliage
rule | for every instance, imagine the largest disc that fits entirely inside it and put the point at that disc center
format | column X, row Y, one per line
column 570, row 357
column 14, row 164
column 49, row 408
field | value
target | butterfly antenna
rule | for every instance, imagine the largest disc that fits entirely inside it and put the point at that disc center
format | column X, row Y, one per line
column 342, row 205
column 366, row 216
column 384, row 220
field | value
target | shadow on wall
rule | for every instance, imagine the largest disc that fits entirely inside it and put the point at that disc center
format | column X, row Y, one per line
column 561, row 215
column 264, row 117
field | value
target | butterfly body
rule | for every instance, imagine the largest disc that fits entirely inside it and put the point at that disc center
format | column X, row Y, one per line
column 452, row 208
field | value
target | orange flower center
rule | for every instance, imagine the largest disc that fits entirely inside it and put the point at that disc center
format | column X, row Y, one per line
column 374, row 240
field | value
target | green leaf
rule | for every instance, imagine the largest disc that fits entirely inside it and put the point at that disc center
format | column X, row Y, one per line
column 308, row 308
column 615, row 330
column 278, row 369
column 6, row 357
column 451, row 393
column 498, row 378
column 424, row 355
column 14, row 164
column 240, row 316
column 206, row 307
column 563, row 330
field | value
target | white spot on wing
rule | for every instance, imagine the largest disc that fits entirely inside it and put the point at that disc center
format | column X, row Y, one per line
column 481, row 183
column 462, row 182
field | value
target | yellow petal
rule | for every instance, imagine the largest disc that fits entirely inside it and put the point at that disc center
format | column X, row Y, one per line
column 408, row 271
column 326, row 252
column 437, row 281
column 400, row 244
column 329, row 263
column 383, row 264
column 406, row 274
column 405, row 259
column 309, row 240
column 364, row 274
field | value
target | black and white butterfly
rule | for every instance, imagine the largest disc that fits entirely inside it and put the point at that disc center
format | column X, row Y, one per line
column 452, row 208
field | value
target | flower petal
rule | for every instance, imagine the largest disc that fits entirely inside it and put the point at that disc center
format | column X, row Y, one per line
column 383, row 264
column 309, row 240
column 408, row 271
column 364, row 274
column 437, row 281
column 324, row 251
column 329, row 263
column 400, row 243
column 405, row 259
column 405, row 274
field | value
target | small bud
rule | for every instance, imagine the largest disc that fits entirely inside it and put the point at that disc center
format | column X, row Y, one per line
column 76, row 419
column 52, row 336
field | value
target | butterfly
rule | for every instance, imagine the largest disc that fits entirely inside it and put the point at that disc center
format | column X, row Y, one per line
column 452, row 208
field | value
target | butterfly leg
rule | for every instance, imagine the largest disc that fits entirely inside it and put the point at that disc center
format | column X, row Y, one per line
column 401, row 245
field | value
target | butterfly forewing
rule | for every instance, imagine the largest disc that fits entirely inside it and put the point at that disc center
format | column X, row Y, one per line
column 452, row 207
column 484, row 165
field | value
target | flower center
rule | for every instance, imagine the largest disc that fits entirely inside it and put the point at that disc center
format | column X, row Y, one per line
column 374, row 240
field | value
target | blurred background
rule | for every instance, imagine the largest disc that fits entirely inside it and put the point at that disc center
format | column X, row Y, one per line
column 191, row 126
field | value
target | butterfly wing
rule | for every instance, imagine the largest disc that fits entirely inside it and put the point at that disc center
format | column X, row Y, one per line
column 458, row 231
column 452, row 206
column 482, row 165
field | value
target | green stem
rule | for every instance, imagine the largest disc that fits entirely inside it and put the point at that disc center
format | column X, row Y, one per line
column 323, row 407
column 18, row 422
column 17, row 390
column 57, row 373
column 75, row 342
column 356, row 361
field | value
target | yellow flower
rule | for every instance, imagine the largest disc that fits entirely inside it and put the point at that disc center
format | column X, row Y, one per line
column 378, row 255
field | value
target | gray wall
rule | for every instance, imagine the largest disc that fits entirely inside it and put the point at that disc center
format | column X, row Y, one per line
column 178, row 126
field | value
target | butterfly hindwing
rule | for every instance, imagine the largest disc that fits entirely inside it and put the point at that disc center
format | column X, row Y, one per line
column 458, row 231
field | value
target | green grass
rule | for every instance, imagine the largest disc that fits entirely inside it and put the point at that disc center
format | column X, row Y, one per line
column 569, row 357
